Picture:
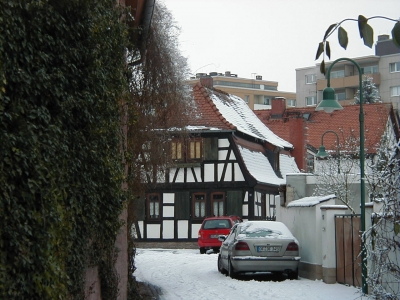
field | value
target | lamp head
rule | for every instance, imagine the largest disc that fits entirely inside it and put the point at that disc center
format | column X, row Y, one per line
column 321, row 152
column 328, row 103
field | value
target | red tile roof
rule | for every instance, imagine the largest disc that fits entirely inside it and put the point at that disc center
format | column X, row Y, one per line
column 207, row 114
column 344, row 122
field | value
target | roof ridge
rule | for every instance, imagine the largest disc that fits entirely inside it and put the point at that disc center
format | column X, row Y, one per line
column 215, row 108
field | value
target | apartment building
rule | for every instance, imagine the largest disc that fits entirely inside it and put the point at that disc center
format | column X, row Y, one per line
column 256, row 92
column 383, row 67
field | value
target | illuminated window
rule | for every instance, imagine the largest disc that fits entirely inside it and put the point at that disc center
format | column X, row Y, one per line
column 188, row 151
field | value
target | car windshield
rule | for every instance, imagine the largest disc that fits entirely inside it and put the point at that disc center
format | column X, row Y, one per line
column 263, row 229
column 215, row 224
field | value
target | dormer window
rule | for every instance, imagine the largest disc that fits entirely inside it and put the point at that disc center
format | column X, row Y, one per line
column 189, row 150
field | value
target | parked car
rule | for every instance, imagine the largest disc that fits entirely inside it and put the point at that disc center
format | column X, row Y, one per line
column 259, row 246
column 212, row 228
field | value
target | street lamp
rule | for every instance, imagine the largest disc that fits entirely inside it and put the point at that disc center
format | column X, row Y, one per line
column 329, row 104
column 322, row 153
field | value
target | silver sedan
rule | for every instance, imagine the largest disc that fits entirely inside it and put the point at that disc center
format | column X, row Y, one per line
column 259, row 246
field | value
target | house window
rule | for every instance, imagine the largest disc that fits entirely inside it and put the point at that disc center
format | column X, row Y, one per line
column 310, row 79
column 395, row 91
column 291, row 102
column 194, row 149
column 311, row 101
column 267, row 100
column 310, row 163
column 340, row 96
column 394, row 67
column 188, row 151
column 337, row 74
column 177, row 150
column 369, row 70
column 218, row 204
column 199, row 205
column 246, row 98
column 153, row 206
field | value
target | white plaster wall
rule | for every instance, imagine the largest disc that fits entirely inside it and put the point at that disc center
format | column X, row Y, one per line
column 181, row 176
column 195, row 230
column 168, row 211
column 140, row 229
column 153, row 231
column 223, row 143
column 190, row 177
column 208, row 172
column 228, row 173
column 232, row 156
column 168, row 229
column 169, row 197
column 238, row 173
column 222, row 154
column 183, row 229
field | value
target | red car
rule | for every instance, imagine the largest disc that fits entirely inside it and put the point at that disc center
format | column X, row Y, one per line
column 213, row 227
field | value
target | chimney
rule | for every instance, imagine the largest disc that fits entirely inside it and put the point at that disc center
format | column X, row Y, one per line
column 278, row 106
column 207, row 82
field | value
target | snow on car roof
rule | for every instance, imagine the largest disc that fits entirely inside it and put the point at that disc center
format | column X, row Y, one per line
column 253, row 226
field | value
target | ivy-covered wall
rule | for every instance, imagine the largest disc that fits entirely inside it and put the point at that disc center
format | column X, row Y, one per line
column 61, row 82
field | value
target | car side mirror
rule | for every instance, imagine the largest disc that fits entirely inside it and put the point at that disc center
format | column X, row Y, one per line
column 222, row 238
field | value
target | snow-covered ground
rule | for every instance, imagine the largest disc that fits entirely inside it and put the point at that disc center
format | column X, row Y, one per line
column 187, row 274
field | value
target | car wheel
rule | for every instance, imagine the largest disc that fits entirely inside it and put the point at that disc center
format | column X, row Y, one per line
column 294, row 275
column 202, row 250
column 231, row 270
column 220, row 266
column 216, row 250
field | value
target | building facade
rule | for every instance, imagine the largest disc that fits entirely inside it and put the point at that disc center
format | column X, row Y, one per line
column 256, row 92
column 383, row 67
column 230, row 163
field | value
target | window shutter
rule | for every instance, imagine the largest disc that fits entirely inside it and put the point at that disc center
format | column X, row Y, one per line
column 210, row 148
column 182, row 205
column 234, row 200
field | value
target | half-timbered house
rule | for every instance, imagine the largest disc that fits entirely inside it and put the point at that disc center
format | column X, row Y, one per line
column 230, row 164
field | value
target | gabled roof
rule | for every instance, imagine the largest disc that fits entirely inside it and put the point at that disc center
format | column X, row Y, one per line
column 217, row 109
column 344, row 122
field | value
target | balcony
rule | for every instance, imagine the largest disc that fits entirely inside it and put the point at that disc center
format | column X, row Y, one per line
column 347, row 81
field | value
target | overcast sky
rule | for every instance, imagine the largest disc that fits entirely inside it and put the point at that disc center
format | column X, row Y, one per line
column 271, row 38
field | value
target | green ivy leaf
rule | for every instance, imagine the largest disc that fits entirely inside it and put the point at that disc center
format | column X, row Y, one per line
column 362, row 21
column 320, row 50
column 368, row 35
column 342, row 37
column 396, row 228
column 396, row 34
column 328, row 50
column 329, row 30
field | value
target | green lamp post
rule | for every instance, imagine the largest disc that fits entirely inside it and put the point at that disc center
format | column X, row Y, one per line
column 329, row 104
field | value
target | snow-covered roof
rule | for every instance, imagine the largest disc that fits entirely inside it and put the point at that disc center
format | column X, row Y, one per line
column 261, row 170
column 237, row 112
column 310, row 201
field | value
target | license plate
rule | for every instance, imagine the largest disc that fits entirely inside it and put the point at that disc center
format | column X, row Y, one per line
column 214, row 236
column 268, row 248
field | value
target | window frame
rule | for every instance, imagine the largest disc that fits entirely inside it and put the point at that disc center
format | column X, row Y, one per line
column 291, row 102
column 393, row 89
column 186, row 150
column 267, row 100
column 311, row 78
column 194, row 201
column 394, row 67
column 223, row 200
column 149, row 200
column 314, row 100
